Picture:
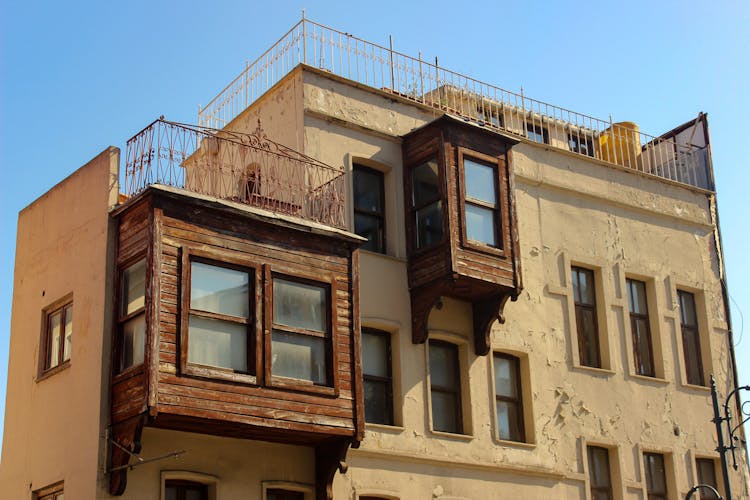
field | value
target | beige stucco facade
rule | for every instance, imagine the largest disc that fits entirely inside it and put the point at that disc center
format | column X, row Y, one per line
column 571, row 211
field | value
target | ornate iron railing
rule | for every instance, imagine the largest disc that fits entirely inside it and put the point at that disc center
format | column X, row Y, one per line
column 412, row 78
column 245, row 168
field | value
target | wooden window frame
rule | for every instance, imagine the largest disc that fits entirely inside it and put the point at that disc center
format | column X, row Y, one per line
column 640, row 368
column 380, row 216
column 580, row 306
column 704, row 494
column 577, row 138
column 606, row 489
column 388, row 380
column 182, row 485
column 413, row 239
column 329, row 284
column 51, row 492
column 500, row 215
column 253, row 324
column 689, row 328
column 515, row 363
column 123, row 319
column 61, row 306
column 458, row 409
column 538, row 129
column 649, row 479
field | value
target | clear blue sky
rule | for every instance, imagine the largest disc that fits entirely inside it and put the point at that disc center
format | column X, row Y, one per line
column 76, row 77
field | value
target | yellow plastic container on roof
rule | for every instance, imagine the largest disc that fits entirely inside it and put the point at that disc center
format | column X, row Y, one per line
column 620, row 144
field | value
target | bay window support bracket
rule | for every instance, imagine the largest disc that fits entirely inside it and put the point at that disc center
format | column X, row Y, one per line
column 484, row 313
column 329, row 458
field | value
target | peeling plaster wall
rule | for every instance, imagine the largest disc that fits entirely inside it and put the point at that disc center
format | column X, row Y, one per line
column 571, row 210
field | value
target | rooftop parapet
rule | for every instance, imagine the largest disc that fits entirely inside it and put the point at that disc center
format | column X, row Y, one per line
column 676, row 158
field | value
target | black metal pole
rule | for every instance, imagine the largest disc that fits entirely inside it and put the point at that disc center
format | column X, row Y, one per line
column 721, row 448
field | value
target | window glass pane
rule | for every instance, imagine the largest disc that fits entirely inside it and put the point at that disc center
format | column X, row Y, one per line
column 443, row 366
column 656, row 481
column 298, row 356
column 374, row 354
column 133, row 287
column 505, row 378
column 480, row 181
column 376, row 401
column 170, row 493
column 425, row 181
column 599, row 466
column 299, row 305
column 219, row 290
column 54, row 340
column 429, row 224
column 192, row 494
column 507, row 421
column 444, row 414
column 217, row 343
column 480, row 224
column 133, row 340
column 370, row 227
column 368, row 190
column 643, row 347
column 68, row 332
column 687, row 308
column 637, row 297
column 583, row 286
column 706, row 474
column 587, row 330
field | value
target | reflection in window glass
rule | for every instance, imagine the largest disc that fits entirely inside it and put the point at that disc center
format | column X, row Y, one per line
column 445, row 387
column 508, row 397
column 599, row 476
column 427, row 204
column 298, row 356
column 369, row 207
column 584, row 298
column 132, row 315
column 219, row 290
column 429, row 225
column 217, row 343
column 376, row 374
column 656, row 476
column 299, row 305
column 481, row 205
column 425, row 183
column 134, row 287
column 640, row 328
column 691, row 343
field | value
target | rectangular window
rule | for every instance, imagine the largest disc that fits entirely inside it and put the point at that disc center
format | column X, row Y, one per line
column 581, row 143
column 57, row 336
column 220, row 318
column 132, row 315
column 656, row 476
column 706, row 468
column 300, row 342
column 427, row 206
column 369, row 207
column 600, row 478
column 278, row 494
column 640, row 328
column 376, row 373
column 508, row 401
column 587, row 328
column 482, row 204
column 691, row 342
column 54, row 492
column 445, row 387
column 537, row 132
column 184, row 490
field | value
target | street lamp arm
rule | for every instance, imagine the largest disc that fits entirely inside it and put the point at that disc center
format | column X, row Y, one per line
column 704, row 486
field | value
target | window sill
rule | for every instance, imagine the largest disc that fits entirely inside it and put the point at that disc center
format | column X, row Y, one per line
column 478, row 246
column 694, row 387
column 219, row 374
column 52, row 371
column 514, row 444
column 451, row 435
column 653, row 380
column 594, row 371
column 390, row 429
column 301, row 386
column 129, row 372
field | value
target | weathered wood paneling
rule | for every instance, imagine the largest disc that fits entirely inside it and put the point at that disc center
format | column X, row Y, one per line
column 186, row 227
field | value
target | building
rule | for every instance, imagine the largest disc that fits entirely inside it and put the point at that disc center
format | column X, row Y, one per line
column 363, row 276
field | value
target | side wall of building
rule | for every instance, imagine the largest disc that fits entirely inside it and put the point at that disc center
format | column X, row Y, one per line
column 53, row 419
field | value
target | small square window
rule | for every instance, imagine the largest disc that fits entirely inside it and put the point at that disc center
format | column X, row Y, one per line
column 691, row 342
column 132, row 315
column 587, row 328
column 369, row 207
column 656, row 476
column 57, row 336
column 508, row 397
column 445, row 387
column 643, row 349
column 300, row 342
column 376, row 375
column 600, row 477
